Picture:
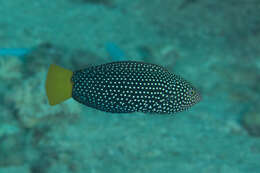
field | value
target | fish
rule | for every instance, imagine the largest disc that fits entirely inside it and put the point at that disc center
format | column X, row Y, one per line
column 122, row 87
column 14, row 51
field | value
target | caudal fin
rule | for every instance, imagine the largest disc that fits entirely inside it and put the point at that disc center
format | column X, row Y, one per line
column 58, row 84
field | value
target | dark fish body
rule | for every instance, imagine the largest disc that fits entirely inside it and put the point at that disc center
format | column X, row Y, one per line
column 129, row 86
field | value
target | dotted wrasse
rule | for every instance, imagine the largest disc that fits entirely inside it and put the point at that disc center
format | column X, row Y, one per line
column 122, row 87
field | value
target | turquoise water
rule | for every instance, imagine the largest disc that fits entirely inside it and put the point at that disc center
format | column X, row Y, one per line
column 215, row 45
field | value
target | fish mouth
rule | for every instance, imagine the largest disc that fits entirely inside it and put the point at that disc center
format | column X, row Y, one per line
column 198, row 97
column 194, row 100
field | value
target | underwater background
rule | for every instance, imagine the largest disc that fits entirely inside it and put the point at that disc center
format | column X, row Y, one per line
column 213, row 44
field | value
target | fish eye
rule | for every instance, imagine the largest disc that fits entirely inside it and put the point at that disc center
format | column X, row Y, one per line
column 191, row 92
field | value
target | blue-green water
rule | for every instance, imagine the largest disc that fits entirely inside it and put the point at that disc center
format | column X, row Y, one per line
column 215, row 45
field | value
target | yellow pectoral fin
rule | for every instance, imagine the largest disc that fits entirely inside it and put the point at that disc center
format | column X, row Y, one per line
column 58, row 84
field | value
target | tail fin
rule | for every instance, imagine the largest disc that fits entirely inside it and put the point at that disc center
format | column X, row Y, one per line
column 58, row 84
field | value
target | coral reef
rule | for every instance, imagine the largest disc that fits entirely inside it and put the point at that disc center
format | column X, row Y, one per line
column 41, row 56
column 164, row 54
column 26, row 118
column 214, row 44
column 251, row 121
column 10, row 70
